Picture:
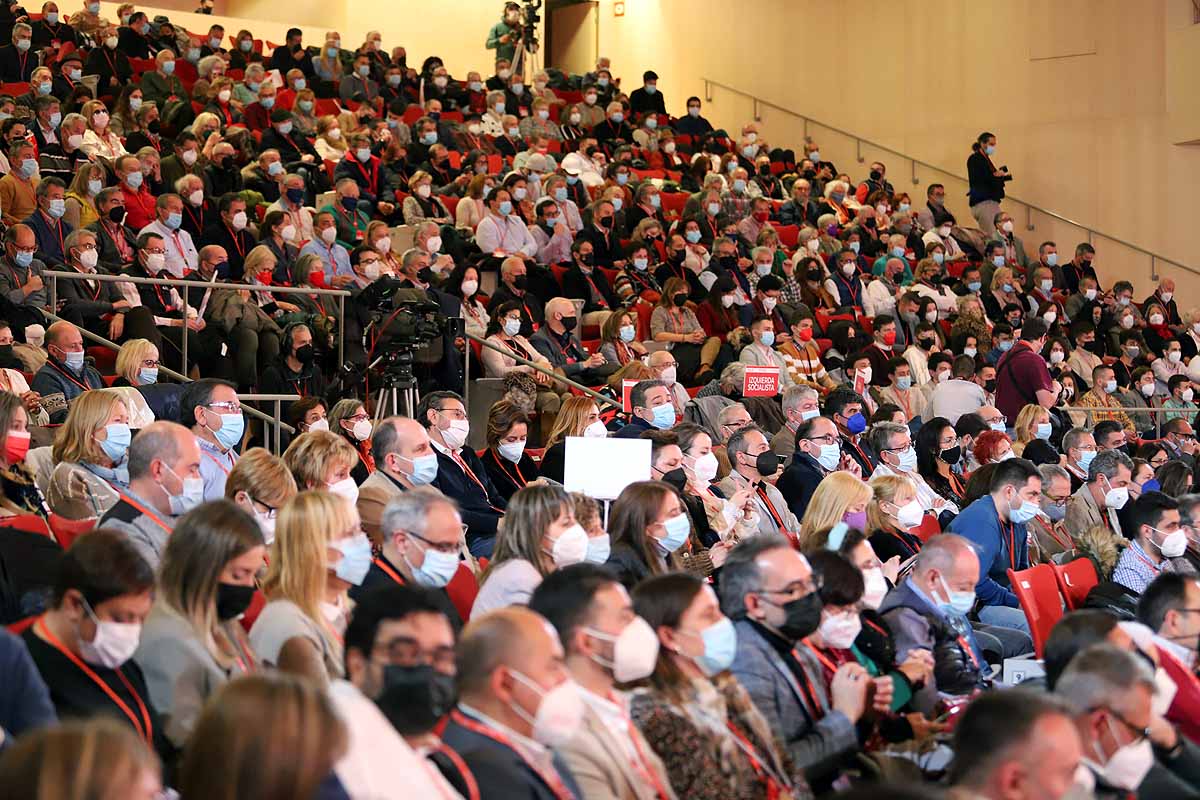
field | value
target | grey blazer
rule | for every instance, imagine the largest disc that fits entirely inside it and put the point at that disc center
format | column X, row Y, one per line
column 776, row 693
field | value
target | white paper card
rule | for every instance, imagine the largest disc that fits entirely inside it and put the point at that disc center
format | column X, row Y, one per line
column 601, row 468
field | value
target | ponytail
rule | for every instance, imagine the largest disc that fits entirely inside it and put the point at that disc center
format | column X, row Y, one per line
column 977, row 145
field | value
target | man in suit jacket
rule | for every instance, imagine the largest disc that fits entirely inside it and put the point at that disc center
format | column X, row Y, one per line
column 461, row 475
column 590, row 609
column 510, row 661
column 806, row 471
column 752, row 461
column 582, row 281
column 761, row 576
column 116, row 242
column 1097, row 502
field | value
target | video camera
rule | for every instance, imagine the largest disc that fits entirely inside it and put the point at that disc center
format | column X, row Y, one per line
column 529, row 19
column 406, row 327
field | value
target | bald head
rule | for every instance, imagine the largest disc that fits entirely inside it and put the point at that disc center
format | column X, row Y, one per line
column 512, row 637
column 660, row 357
column 61, row 333
column 945, row 554
column 399, row 436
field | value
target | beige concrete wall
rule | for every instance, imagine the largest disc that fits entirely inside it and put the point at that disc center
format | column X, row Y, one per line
column 1075, row 91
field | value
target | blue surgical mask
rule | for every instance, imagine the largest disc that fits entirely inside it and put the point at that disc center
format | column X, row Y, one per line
column 73, row 359
column 622, row 178
column 168, row 67
column 960, row 603
column 355, row 562
column 116, row 442
column 664, row 416
column 1044, row 430
column 190, row 496
column 655, row 201
column 436, row 570
column 425, row 469
column 148, row 375
column 1005, row 345
column 641, row 263
column 134, row 180
column 1085, row 459
column 512, row 326
column 1022, row 513
column 267, row 102
column 975, row 286
column 505, row 207
column 855, row 246
column 939, row 258
column 627, row 333
column 23, row 259
column 174, row 220
column 429, row 137
column 767, row 338
column 678, row 528
column 231, row 430
column 692, row 236
column 720, row 647
column 999, row 262
column 904, row 382
column 560, row 193
column 898, row 252
column 739, row 186
column 830, row 455
column 598, row 550
column 1057, row 512
column 58, row 207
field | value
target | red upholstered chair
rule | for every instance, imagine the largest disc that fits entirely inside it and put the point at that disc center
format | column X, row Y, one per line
column 1037, row 592
column 462, row 589
column 66, row 531
column 1075, row 580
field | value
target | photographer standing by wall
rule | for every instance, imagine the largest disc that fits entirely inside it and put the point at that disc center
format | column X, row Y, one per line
column 505, row 35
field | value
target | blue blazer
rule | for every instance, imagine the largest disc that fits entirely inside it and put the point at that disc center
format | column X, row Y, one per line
column 481, row 510
column 799, row 481
column 50, row 248
column 979, row 523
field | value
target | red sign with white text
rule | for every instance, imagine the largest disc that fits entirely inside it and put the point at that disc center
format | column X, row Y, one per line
column 761, row 382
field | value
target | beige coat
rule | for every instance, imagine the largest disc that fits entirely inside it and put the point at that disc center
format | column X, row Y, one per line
column 603, row 770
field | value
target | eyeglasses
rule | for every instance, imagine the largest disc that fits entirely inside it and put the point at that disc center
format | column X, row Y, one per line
column 232, row 406
column 150, row 362
column 828, row 438
column 359, row 417
column 406, row 652
column 271, row 511
column 1139, row 733
column 449, row 548
column 803, row 588
column 452, row 412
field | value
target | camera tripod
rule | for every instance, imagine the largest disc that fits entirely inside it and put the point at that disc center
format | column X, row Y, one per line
column 398, row 394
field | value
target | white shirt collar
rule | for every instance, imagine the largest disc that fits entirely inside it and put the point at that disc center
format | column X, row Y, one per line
column 532, row 747
column 1184, row 654
column 441, row 448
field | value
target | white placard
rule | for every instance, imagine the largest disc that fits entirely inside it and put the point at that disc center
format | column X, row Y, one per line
column 601, row 468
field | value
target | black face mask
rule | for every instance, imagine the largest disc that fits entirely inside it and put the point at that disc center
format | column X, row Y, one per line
column 8, row 359
column 951, row 455
column 869, row 222
column 767, row 463
column 425, row 275
column 675, row 478
column 415, row 698
column 233, row 600
column 990, row 386
column 520, row 282
column 305, row 354
column 569, row 323
column 1095, row 346
column 153, row 126
column 117, row 214
column 809, row 174
column 587, row 260
column 604, row 222
column 876, row 175
column 814, row 275
column 765, row 170
column 728, row 262
column 927, row 344
column 802, row 616
column 679, row 299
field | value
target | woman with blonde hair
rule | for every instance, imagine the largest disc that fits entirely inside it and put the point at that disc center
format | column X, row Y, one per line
column 261, row 484
column 90, row 452
column 892, row 516
column 1003, row 290
column 840, row 497
column 331, row 139
column 97, row 758
column 379, row 239
column 264, row 736
column 192, row 641
column 470, row 210
column 99, row 140
column 349, row 419
column 319, row 552
column 302, row 112
column 1033, row 422
column 137, row 363
column 579, row 416
column 421, row 206
column 81, row 196
column 328, row 64
column 322, row 460
column 537, row 535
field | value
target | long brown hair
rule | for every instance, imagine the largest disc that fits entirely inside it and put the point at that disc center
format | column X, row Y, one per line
column 635, row 510
column 662, row 600
column 270, row 736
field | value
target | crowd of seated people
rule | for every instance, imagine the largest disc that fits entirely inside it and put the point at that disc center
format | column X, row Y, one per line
column 816, row 589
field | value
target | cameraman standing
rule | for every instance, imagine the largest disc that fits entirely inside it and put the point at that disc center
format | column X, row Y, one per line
column 505, row 35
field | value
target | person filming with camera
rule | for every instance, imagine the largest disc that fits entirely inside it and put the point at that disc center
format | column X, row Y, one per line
column 505, row 35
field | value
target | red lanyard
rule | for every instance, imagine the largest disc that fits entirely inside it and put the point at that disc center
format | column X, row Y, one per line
column 810, row 692
column 217, row 461
column 908, row 548
column 519, row 480
column 371, row 177
column 143, row 726
column 199, row 221
column 157, row 519
column 552, row 779
column 463, row 770
column 1146, row 561
column 602, row 302
column 825, row 660
column 1011, row 532
column 56, row 225
column 775, row 785
column 762, row 495
column 237, row 243
column 387, row 569
column 70, row 377
column 458, row 460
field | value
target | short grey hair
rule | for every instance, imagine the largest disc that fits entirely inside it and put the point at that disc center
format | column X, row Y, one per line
column 409, row 512
column 74, row 237
column 939, row 553
column 737, row 441
column 796, row 394
column 733, row 376
column 1053, row 471
column 724, row 414
column 158, row 440
column 1072, row 438
column 1101, row 675
column 22, row 27
column 741, row 574
column 881, row 435
column 1107, row 463
column 410, row 255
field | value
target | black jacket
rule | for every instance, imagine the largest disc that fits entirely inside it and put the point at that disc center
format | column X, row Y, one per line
column 984, row 185
column 576, row 287
column 799, row 481
column 501, row 769
column 481, row 508
column 507, row 477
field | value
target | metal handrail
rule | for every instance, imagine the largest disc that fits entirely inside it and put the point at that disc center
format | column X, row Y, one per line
column 275, row 421
column 859, row 141
column 526, row 362
column 1154, row 410
column 340, row 294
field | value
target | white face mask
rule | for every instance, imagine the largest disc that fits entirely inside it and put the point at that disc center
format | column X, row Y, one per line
column 361, row 430
column 347, row 488
column 558, row 714
column 512, row 451
column 1127, row 767
column 668, row 375
column 455, row 436
column 1164, row 693
column 113, row 644
column 840, row 630
column 910, row 514
column 635, row 650
column 320, row 425
column 875, row 587
column 570, row 547
column 469, row 288
column 595, row 431
column 705, row 468
column 436, row 570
